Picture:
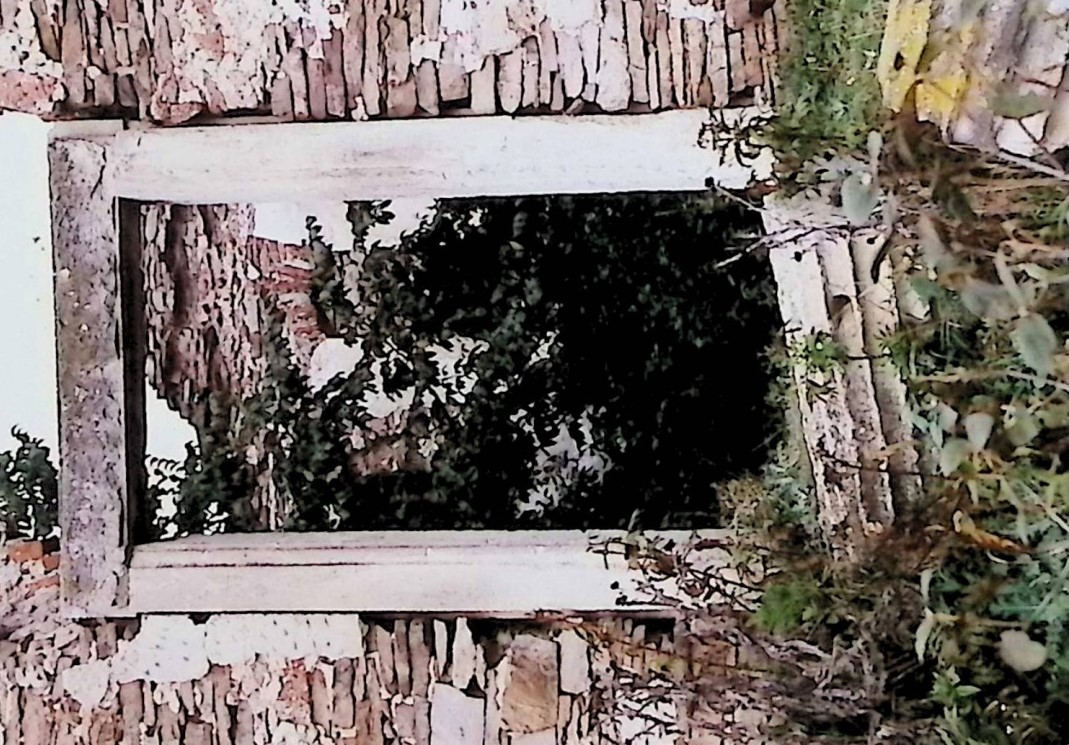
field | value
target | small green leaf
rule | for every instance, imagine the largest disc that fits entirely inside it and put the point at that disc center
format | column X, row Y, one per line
column 954, row 452
column 1022, row 427
column 1036, row 343
column 978, row 426
column 860, row 196
column 1053, row 416
column 1019, row 105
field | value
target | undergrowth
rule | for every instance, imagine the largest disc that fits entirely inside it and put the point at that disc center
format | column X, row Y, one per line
column 828, row 94
column 974, row 648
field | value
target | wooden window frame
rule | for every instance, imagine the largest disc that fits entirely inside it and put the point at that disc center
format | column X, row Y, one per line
column 99, row 173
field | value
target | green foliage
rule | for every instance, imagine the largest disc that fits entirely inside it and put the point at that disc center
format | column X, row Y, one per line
column 819, row 352
column 642, row 314
column 28, row 490
column 1047, row 212
column 829, row 97
column 786, row 606
column 988, row 375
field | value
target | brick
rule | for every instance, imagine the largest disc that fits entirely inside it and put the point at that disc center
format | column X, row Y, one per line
column 37, row 585
column 24, row 551
column 50, row 562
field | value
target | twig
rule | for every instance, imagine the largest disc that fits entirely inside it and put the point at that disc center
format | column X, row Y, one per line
column 964, row 376
column 1019, row 161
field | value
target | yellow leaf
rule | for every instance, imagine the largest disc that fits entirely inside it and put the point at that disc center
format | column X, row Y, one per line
column 905, row 37
column 977, row 536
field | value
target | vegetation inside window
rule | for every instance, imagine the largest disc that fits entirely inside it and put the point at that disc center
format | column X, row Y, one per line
column 566, row 362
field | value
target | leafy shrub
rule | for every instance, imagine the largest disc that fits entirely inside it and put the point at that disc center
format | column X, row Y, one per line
column 636, row 312
column 28, row 490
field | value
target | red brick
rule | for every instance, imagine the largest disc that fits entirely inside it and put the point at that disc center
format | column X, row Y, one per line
column 50, row 562
column 37, row 585
column 29, row 93
column 287, row 285
column 24, row 551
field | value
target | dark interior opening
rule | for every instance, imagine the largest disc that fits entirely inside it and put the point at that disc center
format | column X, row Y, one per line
column 605, row 367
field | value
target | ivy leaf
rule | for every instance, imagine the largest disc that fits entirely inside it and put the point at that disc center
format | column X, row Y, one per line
column 1020, row 652
column 860, row 196
column 1019, row 105
column 953, row 453
column 1035, row 342
column 978, row 426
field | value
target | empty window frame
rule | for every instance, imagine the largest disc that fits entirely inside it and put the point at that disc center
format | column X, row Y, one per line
column 99, row 173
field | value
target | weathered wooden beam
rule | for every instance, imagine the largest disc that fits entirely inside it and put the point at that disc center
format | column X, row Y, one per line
column 420, row 158
column 94, row 395
column 840, row 419
column 498, row 574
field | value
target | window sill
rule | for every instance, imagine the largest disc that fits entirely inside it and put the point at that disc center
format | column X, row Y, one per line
column 504, row 574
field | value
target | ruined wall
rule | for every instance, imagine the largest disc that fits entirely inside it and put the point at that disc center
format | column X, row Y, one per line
column 992, row 74
column 209, row 284
column 236, row 680
column 171, row 60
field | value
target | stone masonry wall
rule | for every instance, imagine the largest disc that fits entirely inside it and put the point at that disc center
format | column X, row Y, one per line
column 237, row 680
column 171, row 60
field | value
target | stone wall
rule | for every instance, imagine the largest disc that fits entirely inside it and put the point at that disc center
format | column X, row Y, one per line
column 232, row 680
column 171, row 60
column 991, row 74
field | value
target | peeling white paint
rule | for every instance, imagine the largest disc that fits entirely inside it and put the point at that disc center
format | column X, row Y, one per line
column 706, row 11
column 456, row 719
column 425, row 48
column 570, row 15
column 87, row 684
column 204, row 74
column 574, row 662
column 167, row 649
column 174, row 649
column 464, row 654
column 500, row 26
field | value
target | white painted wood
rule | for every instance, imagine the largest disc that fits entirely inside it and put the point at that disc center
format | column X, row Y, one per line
column 419, row 158
column 506, row 574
